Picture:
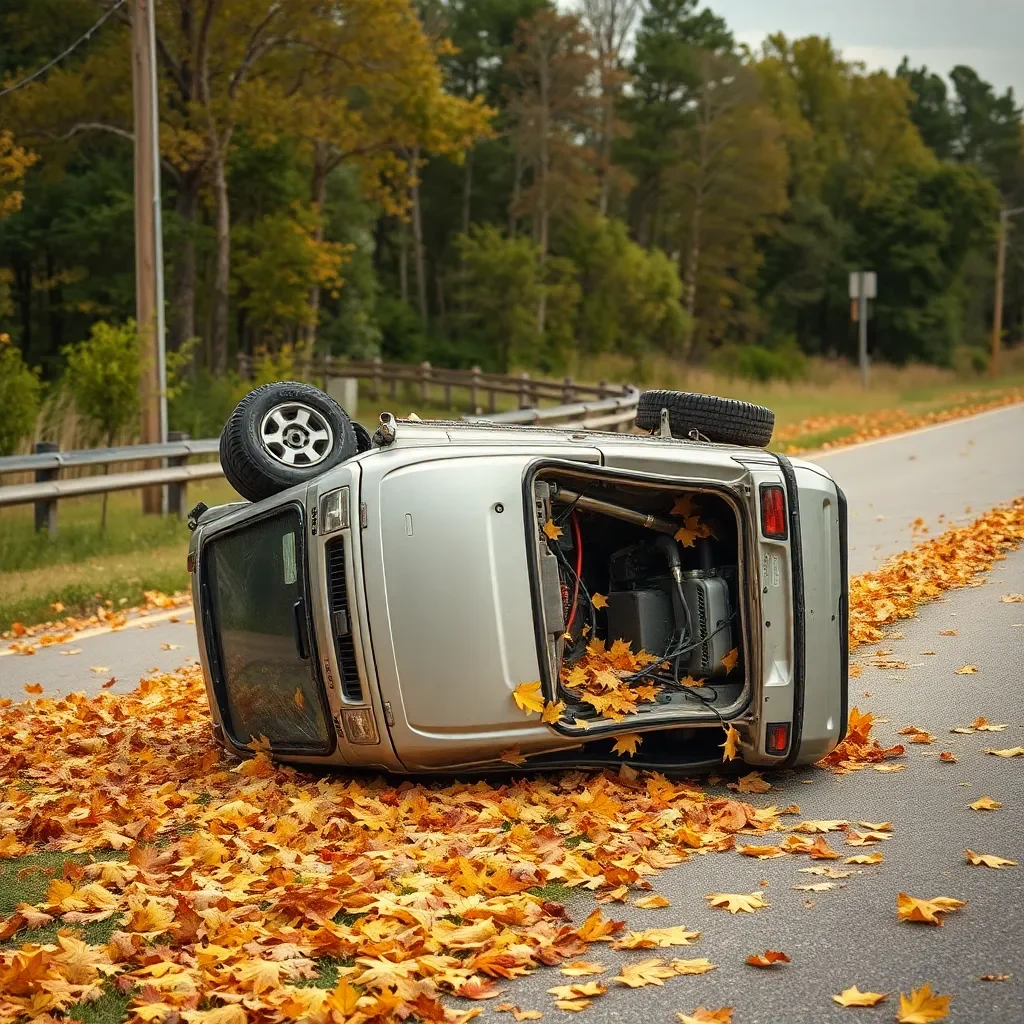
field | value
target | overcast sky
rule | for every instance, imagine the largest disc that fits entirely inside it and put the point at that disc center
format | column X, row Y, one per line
column 988, row 35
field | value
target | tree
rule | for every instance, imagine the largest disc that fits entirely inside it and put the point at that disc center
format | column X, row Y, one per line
column 665, row 75
column 498, row 287
column 630, row 296
column 929, row 108
column 919, row 232
column 609, row 23
column 725, row 189
column 102, row 375
column 550, row 107
column 14, row 162
column 19, row 396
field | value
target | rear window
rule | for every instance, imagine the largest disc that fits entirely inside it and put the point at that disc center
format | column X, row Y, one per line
column 257, row 605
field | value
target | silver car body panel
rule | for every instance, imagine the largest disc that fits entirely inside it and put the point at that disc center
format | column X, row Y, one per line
column 441, row 606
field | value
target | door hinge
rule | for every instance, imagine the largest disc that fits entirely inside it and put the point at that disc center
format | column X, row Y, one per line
column 388, row 715
column 362, row 514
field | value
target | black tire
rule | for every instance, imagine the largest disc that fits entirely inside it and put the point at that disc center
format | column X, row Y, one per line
column 255, row 462
column 723, row 420
column 364, row 442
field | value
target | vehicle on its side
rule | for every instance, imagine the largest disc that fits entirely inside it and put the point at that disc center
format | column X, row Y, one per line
column 381, row 600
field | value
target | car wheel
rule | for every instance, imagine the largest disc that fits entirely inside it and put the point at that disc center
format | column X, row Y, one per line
column 283, row 434
column 724, row 420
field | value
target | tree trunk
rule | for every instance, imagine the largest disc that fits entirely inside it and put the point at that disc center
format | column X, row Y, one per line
column 417, row 236
column 183, row 302
column 543, row 168
column 606, row 152
column 692, row 267
column 517, row 193
column 467, row 191
column 320, row 172
column 403, row 262
column 222, row 266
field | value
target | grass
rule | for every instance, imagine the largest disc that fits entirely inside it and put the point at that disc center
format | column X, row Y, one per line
column 84, row 567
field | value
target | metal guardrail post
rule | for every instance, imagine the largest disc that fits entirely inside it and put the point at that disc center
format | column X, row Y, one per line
column 524, row 390
column 474, row 389
column 177, row 492
column 46, row 511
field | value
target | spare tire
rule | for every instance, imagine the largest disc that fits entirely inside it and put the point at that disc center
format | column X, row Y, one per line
column 283, row 434
column 724, row 420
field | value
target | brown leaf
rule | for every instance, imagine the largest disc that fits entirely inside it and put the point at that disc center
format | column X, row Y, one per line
column 729, row 660
column 767, row 958
column 966, row 670
column 513, row 756
column 33, row 687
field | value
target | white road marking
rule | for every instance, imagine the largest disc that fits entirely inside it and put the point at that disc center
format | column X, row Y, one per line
column 86, row 634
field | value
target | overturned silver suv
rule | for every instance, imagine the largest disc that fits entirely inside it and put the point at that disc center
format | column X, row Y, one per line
column 469, row 596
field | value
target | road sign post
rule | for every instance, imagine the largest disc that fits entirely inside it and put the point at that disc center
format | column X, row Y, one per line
column 863, row 286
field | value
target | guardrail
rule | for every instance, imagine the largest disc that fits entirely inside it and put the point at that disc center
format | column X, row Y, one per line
column 613, row 411
column 437, row 381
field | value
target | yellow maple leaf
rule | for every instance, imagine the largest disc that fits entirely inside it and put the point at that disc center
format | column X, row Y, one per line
column 646, row 972
column 729, row 661
column 966, row 670
column 599, row 600
column 552, row 711
column 734, row 902
column 512, row 756
column 853, row 996
column 578, row 990
column 299, row 698
column 687, row 534
column 528, row 697
column 988, row 860
column 653, row 938
column 627, row 743
column 982, row 724
column 866, row 858
column 552, row 532
column 1007, row 752
column 985, row 803
column 653, row 902
column 922, row 1007
column 910, row 908
column 230, row 1014
column 700, row 965
column 597, row 928
column 581, row 968
column 730, row 748
column 753, row 782
column 258, row 975
column 820, row 825
column 702, row 1015
column 683, row 506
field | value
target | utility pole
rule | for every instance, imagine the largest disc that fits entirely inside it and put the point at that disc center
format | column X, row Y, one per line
column 997, row 310
column 149, row 291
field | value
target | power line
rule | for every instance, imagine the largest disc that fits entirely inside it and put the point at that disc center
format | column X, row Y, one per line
column 60, row 57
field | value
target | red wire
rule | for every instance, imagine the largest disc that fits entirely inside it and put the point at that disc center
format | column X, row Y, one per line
column 577, row 537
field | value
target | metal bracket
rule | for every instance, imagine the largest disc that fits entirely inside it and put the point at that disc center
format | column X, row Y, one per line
column 666, row 427
column 385, row 433
column 696, row 435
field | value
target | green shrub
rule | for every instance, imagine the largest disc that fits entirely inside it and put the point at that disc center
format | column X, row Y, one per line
column 19, row 396
column 761, row 363
column 970, row 359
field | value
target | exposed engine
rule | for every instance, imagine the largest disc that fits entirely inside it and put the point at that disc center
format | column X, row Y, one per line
column 670, row 600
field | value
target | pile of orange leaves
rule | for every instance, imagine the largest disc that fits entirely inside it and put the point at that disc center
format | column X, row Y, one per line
column 883, row 422
column 953, row 559
column 241, row 877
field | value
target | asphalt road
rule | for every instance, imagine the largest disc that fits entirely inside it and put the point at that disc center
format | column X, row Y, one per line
column 849, row 935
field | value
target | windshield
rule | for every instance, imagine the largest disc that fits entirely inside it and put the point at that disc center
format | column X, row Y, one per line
column 256, row 590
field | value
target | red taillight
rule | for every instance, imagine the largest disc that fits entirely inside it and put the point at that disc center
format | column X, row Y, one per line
column 776, row 737
column 773, row 511
column 190, row 562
